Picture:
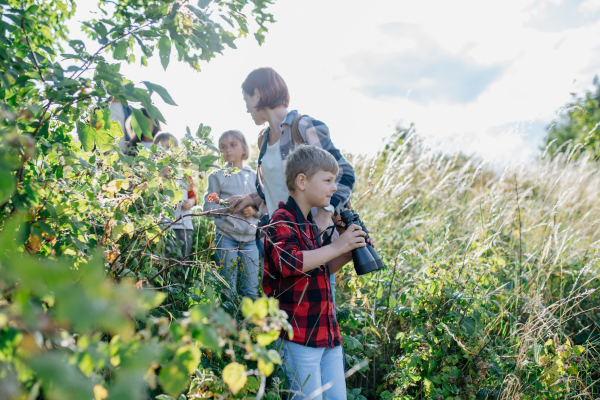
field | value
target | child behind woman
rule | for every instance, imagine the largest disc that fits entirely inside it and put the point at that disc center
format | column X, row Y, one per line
column 236, row 252
column 182, row 226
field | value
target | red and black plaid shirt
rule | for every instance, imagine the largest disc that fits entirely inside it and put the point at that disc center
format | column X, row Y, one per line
column 305, row 297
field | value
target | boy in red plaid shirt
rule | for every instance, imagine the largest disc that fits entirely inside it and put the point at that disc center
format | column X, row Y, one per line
column 297, row 273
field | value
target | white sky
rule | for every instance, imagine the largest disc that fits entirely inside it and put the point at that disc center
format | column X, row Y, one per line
column 476, row 76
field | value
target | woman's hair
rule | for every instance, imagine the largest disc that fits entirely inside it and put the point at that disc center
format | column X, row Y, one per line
column 308, row 160
column 166, row 137
column 240, row 138
column 133, row 138
column 271, row 86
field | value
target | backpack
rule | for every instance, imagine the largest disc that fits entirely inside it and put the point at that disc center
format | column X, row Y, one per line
column 296, row 137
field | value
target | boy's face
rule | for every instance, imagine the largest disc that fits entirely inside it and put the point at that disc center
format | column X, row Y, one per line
column 319, row 188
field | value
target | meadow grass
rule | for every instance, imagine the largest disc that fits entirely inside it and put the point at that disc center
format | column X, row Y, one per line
column 491, row 289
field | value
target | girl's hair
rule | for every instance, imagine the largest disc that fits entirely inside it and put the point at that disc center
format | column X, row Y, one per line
column 240, row 138
column 166, row 137
column 133, row 139
column 271, row 86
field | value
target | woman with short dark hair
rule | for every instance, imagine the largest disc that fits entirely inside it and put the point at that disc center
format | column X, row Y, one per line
column 267, row 99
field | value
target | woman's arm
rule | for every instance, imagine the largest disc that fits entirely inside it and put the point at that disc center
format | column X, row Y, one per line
column 337, row 263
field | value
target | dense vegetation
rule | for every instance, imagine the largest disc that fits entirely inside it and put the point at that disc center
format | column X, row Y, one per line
column 92, row 302
column 491, row 283
column 576, row 129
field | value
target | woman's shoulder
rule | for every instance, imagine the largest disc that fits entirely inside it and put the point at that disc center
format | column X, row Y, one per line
column 307, row 122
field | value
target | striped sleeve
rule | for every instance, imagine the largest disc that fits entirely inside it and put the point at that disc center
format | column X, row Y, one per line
column 316, row 133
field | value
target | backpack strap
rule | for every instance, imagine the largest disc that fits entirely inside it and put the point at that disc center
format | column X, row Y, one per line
column 261, row 138
column 296, row 137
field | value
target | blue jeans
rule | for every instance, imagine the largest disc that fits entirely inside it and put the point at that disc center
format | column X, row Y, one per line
column 238, row 259
column 308, row 369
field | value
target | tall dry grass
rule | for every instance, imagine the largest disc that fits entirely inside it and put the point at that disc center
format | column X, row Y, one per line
column 520, row 246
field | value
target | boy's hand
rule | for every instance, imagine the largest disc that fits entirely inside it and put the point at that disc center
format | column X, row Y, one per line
column 248, row 211
column 351, row 239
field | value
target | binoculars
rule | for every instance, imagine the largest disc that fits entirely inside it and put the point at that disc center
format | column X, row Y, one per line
column 365, row 258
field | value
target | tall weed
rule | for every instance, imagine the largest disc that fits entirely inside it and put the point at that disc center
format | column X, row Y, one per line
column 491, row 286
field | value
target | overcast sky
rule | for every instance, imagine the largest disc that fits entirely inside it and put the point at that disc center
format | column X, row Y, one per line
column 478, row 76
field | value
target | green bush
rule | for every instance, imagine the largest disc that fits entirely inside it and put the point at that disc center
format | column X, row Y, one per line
column 93, row 303
column 491, row 288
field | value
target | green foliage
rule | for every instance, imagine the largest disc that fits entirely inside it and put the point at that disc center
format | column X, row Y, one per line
column 491, row 286
column 94, row 299
column 576, row 130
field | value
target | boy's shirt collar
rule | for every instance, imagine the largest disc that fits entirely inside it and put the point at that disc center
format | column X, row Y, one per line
column 293, row 206
column 305, row 224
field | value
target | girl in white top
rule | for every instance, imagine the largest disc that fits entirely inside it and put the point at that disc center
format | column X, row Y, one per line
column 236, row 251
column 182, row 226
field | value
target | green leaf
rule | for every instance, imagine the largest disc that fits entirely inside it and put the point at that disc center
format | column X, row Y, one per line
column 203, row 3
column 164, row 51
column 7, row 185
column 234, row 375
column 88, row 136
column 46, row 228
column 120, row 52
column 247, row 306
column 162, row 92
column 61, row 380
column 140, row 124
column 207, row 337
column 573, row 370
column 274, row 356
column 414, row 377
column 100, row 29
column 189, row 356
column 174, row 378
column 350, row 343
column 265, row 339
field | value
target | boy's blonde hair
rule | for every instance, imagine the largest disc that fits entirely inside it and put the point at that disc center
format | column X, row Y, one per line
column 308, row 160
column 240, row 137
column 166, row 137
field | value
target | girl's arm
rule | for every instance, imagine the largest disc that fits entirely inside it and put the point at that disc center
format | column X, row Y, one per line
column 188, row 204
column 191, row 196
